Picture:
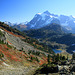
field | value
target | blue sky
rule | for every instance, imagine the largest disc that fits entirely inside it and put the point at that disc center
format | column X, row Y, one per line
column 24, row 10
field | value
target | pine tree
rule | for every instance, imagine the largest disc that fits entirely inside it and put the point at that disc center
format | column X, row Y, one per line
column 63, row 58
column 67, row 56
column 57, row 58
column 22, row 48
column 48, row 59
column 73, row 56
column 60, row 57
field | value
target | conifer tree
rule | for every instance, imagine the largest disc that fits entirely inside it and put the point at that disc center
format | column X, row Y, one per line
column 48, row 59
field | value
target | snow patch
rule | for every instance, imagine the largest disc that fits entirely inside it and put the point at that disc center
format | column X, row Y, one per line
column 73, row 16
column 39, row 13
column 51, row 16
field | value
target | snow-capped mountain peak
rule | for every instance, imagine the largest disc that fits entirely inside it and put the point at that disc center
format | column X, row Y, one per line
column 45, row 18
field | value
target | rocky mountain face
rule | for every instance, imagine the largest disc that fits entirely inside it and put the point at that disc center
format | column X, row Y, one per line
column 41, row 20
column 20, row 54
column 45, row 18
column 16, row 37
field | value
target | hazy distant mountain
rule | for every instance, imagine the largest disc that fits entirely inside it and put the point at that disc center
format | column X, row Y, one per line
column 13, row 24
column 20, row 26
column 9, row 23
column 23, row 23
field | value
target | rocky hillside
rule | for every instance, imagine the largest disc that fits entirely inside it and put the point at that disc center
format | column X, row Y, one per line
column 19, row 54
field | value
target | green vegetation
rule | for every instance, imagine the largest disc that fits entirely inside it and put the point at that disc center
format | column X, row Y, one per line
column 34, row 52
column 38, row 45
column 48, row 59
column 37, row 59
column 33, row 59
column 58, row 57
column 48, row 31
column 70, row 49
column 73, row 56
column 9, row 46
column 67, row 39
column 51, row 67
column 1, row 42
column 53, row 36
column 1, row 34
column 29, row 52
column 22, row 49
column 46, row 68
column 1, row 55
